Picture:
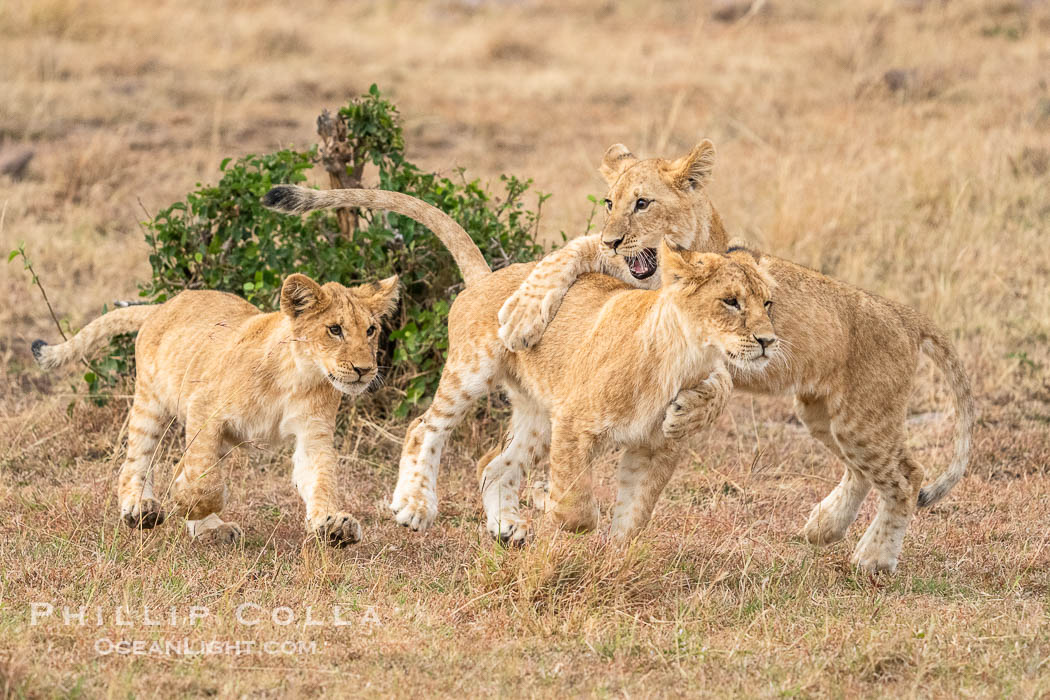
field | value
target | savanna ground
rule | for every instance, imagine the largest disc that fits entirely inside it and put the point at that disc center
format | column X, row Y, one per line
column 902, row 146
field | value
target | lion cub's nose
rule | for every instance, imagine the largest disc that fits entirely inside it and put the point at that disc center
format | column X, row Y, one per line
column 614, row 244
column 766, row 340
column 362, row 371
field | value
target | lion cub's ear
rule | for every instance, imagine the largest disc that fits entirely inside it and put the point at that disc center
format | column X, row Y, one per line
column 380, row 296
column 695, row 169
column 677, row 264
column 299, row 293
column 617, row 159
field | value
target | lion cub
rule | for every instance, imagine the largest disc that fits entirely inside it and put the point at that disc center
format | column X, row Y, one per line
column 607, row 368
column 849, row 356
column 232, row 375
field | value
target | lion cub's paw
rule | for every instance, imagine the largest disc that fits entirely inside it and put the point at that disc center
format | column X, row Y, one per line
column 826, row 524
column 875, row 553
column 338, row 529
column 874, row 562
column 510, row 529
column 144, row 514
column 524, row 317
column 578, row 517
column 691, row 410
column 224, row 534
column 697, row 408
column 415, row 510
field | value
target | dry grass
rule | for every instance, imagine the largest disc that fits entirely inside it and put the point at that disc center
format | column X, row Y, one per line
column 902, row 146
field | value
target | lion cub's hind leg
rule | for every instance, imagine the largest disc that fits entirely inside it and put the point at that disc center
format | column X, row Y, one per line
column 871, row 443
column 897, row 479
column 500, row 477
column 139, row 508
column 830, row 519
column 463, row 381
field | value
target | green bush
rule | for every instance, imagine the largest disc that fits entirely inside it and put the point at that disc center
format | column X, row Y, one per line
column 220, row 237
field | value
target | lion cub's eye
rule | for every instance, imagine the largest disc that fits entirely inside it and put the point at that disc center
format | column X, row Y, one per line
column 336, row 330
column 371, row 330
column 642, row 204
column 608, row 205
column 731, row 302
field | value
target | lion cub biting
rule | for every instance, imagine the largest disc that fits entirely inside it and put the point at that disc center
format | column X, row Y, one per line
column 849, row 356
column 232, row 374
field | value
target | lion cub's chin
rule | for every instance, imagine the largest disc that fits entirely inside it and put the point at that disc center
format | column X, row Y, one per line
column 757, row 363
column 350, row 388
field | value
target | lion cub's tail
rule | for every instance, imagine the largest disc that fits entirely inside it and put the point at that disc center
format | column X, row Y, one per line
column 293, row 199
column 92, row 336
column 937, row 346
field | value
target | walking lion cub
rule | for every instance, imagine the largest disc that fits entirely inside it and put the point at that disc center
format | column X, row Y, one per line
column 231, row 375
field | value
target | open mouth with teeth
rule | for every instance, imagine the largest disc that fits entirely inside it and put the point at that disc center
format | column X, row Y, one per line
column 643, row 265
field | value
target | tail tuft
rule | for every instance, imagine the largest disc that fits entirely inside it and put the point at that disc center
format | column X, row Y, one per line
column 38, row 350
column 45, row 354
column 92, row 337
column 925, row 498
column 288, row 198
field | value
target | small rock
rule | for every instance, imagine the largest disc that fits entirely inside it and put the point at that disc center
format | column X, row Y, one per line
column 732, row 10
column 898, row 79
column 15, row 161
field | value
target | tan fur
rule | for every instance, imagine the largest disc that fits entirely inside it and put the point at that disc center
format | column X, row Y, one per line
column 584, row 386
column 849, row 356
column 567, row 397
column 232, row 375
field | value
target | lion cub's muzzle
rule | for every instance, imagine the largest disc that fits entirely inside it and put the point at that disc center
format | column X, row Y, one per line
column 756, row 352
column 355, row 380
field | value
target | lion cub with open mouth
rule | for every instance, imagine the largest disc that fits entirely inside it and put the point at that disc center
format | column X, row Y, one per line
column 232, row 374
column 611, row 362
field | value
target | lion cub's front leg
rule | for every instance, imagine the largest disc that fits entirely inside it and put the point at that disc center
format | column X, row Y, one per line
column 525, row 315
column 314, row 473
column 696, row 408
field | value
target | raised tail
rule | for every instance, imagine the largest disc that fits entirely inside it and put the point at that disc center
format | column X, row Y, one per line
column 92, row 336
column 293, row 199
column 937, row 346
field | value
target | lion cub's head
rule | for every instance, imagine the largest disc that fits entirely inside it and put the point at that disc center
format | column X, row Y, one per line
column 650, row 200
column 726, row 299
column 337, row 327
